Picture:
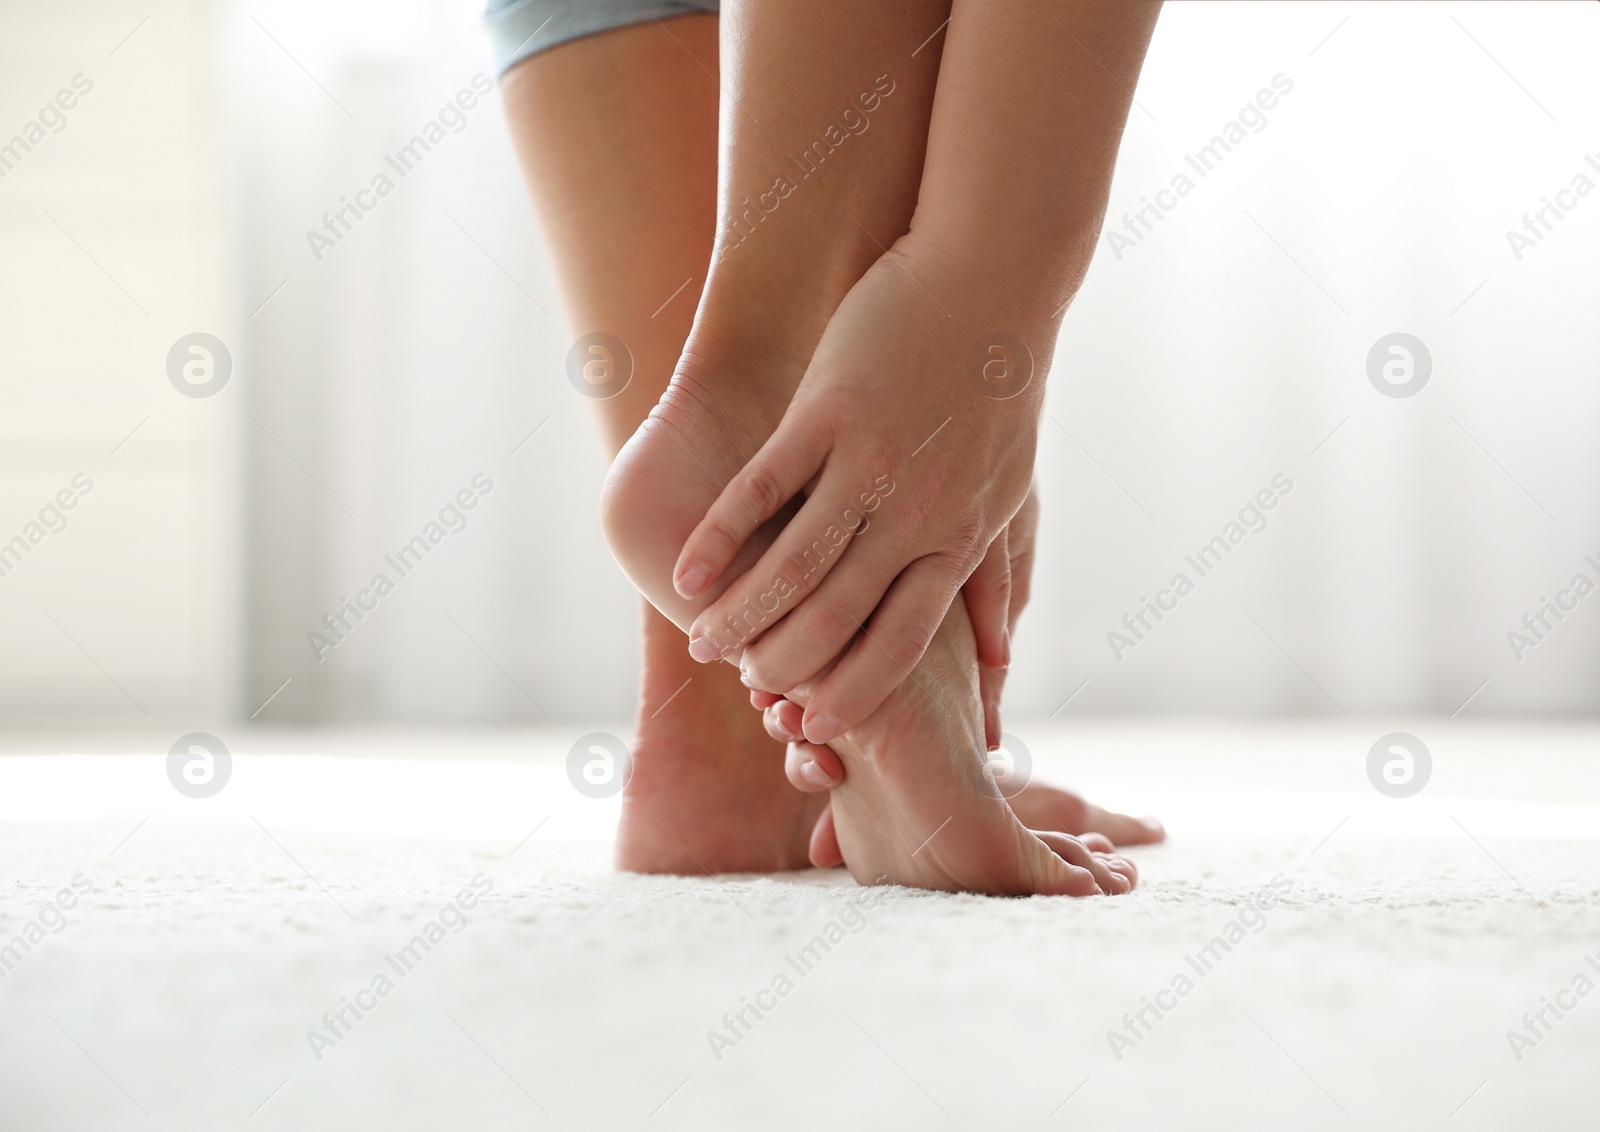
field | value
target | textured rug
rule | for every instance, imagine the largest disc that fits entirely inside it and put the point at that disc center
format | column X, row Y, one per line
column 394, row 932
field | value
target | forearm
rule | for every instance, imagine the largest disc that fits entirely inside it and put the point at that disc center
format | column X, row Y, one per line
column 1032, row 99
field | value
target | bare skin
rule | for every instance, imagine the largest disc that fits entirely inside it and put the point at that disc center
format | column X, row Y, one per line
column 917, row 806
column 617, row 136
column 909, row 380
column 707, row 792
column 1038, row 805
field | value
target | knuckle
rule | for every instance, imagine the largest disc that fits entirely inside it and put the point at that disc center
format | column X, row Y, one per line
column 722, row 537
column 829, row 623
column 905, row 644
column 763, row 665
column 883, row 458
column 839, row 413
column 761, row 489
column 967, row 539
column 758, row 675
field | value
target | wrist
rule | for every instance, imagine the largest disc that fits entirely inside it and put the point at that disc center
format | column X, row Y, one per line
column 1026, row 281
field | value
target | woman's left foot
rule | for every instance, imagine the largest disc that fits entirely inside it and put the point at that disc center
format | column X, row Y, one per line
column 1041, row 806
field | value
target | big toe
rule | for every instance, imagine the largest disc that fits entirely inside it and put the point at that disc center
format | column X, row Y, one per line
column 1126, row 830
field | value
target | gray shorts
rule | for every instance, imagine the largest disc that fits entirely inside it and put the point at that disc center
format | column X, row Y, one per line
column 520, row 28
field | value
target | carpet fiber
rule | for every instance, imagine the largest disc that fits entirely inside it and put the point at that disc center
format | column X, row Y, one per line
column 1374, row 953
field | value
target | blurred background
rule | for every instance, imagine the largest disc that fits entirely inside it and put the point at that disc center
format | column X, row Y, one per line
column 1226, row 336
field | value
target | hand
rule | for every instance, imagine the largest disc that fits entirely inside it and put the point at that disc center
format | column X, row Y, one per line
column 912, row 461
column 816, row 768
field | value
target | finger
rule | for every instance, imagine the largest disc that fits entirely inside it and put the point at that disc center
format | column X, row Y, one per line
column 791, row 569
column 991, row 682
column 988, row 594
column 1074, row 852
column 812, row 769
column 763, row 700
column 774, row 475
column 1021, row 537
column 801, row 646
column 825, row 852
column 891, row 644
column 782, row 721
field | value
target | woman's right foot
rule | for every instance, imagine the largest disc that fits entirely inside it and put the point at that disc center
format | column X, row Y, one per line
column 1039, row 806
column 918, row 806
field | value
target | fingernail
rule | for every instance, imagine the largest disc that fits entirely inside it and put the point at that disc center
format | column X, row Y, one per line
column 1005, row 646
column 822, row 728
column 786, row 735
column 693, row 580
column 812, row 772
column 704, row 649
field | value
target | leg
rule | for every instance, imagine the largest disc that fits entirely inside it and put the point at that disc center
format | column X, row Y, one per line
column 917, row 806
column 617, row 137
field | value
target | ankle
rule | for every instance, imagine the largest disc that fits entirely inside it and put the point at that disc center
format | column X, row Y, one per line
column 763, row 310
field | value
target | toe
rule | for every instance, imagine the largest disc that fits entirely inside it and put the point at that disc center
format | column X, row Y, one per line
column 825, row 852
column 782, row 721
column 1123, row 829
column 1042, row 806
column 1122, row 868
column 1068, row 869
column 812, row 768
column 1075, row 852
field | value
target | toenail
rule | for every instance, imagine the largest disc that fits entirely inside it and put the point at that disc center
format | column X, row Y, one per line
column 694, row 580
column 704, row 649
column 813, row 773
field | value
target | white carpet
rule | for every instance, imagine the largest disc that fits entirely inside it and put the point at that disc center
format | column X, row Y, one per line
column 1377, row 993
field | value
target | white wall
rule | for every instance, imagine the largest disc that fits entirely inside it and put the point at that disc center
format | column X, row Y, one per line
column 111, row 248
column 418, row 352
column 1217, row 352
column 1227, row 343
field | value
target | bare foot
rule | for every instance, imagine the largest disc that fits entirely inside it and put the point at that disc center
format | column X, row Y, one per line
column 1038, row 805
column 1043, row 813
column 708, row 793
column 919, row 807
